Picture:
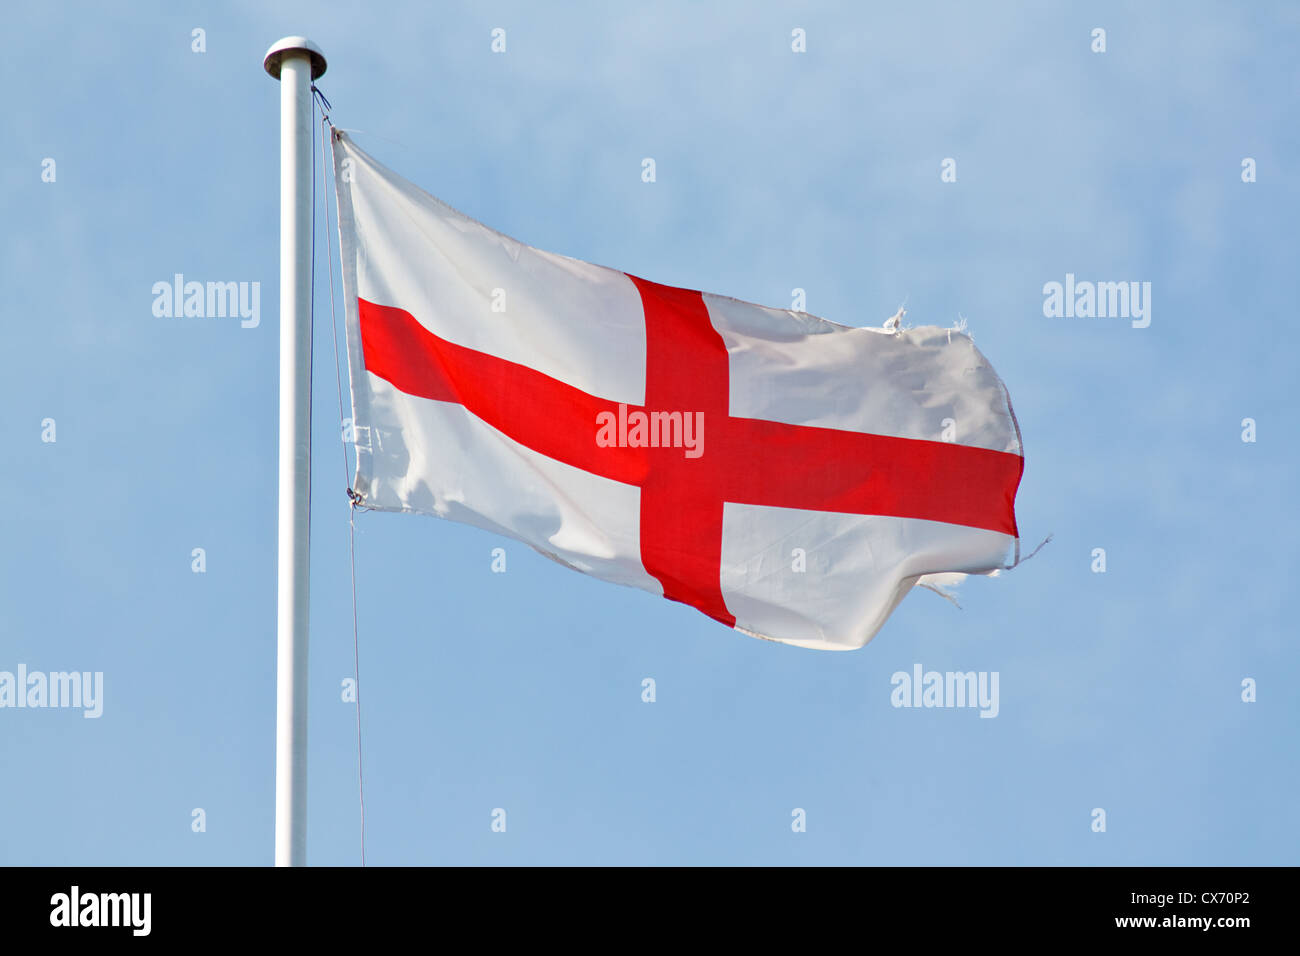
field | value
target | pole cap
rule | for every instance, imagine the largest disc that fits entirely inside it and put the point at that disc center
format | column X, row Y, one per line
column 282, row 48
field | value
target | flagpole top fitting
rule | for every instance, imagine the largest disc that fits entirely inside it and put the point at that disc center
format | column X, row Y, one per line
column 282, row 48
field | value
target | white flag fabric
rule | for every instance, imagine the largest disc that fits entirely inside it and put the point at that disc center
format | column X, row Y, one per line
column 787, row 476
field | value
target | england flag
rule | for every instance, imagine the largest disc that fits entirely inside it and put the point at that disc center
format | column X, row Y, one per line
column 787, row 476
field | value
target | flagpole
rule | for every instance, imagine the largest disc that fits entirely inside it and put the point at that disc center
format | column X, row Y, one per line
column 295, row 62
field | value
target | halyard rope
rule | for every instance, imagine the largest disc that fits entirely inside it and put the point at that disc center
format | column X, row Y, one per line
column 320, row 102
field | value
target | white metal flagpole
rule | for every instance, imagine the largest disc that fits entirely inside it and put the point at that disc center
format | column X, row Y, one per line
column 295, row 62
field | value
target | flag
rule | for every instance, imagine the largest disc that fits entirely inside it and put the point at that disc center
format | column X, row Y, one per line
column 787, row 476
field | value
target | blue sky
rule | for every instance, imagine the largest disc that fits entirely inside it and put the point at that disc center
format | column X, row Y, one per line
column 775, row 170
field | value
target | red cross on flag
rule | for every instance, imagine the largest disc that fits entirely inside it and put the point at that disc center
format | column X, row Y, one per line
column 789, row 477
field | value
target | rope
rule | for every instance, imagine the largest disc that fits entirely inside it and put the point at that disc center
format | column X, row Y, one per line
column 354, row 500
